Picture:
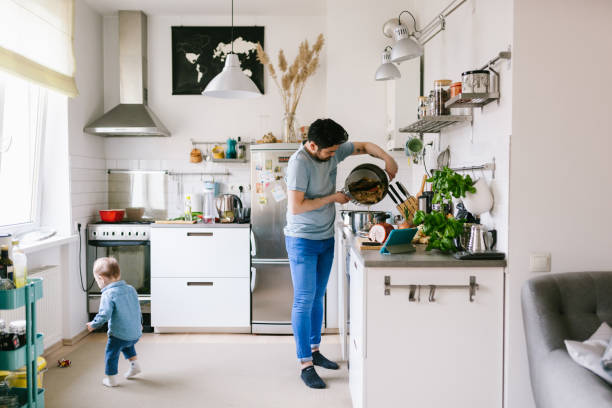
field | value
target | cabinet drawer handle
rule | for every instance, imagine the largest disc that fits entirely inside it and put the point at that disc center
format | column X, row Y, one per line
column 199, row 283
column 199, row 234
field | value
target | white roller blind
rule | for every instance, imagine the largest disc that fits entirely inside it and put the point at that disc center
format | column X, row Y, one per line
column 36, row 42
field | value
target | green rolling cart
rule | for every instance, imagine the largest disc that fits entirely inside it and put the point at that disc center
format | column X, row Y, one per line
column 32, row 396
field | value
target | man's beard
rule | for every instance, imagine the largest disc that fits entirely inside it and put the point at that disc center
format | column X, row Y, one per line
column 317, row 158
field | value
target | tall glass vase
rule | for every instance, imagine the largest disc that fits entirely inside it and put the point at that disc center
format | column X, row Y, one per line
column 289, row 128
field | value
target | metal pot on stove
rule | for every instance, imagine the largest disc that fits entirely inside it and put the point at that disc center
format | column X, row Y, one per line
column 360, row 222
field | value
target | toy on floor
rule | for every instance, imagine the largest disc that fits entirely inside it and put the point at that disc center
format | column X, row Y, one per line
column 63, row 363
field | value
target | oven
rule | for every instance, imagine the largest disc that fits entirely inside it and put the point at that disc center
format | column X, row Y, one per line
column 129, row 244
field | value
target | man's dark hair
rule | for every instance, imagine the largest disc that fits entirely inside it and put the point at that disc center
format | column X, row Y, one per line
column 326, row 133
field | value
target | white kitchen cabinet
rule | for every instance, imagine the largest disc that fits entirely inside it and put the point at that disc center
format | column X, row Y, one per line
column 200, row 252
column 200, row 279
column 436, row 354
column 356, row 333
column 200, row 302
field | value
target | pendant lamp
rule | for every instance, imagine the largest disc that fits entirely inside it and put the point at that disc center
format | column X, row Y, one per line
column 232, row 83
column 387, row 70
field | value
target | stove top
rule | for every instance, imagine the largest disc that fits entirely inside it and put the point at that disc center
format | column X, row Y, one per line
column 119, row 231
column 140, row 222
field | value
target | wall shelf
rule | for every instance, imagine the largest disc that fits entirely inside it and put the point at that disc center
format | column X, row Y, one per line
column 229, row 160
column 471, row 100
column 433, row 124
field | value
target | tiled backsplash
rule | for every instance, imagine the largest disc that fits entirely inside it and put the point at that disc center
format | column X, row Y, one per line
column 180, row 185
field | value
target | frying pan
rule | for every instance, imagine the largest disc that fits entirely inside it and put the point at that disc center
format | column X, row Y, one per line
column 370, row 171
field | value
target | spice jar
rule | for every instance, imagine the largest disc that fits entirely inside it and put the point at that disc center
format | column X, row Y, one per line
column 455, row 89
column 422, row 107
column 441, row 95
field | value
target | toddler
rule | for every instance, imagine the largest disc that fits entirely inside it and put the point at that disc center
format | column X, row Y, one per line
column 120, row 308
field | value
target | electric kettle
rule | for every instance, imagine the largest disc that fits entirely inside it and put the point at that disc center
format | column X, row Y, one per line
column 226, row 205
column 481, row 240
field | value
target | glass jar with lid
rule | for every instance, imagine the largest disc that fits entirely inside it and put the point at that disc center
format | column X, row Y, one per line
column 441, row 95
column 422, row 107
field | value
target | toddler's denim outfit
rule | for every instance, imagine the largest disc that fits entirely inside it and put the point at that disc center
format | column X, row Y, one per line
column 119, row 307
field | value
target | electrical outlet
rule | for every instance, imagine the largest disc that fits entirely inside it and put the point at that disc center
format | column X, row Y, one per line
column 539, row 262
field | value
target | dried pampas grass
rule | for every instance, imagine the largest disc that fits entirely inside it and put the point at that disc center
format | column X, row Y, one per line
column 294, row 76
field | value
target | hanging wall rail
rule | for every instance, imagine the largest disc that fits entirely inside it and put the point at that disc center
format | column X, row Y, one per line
column 486, row 166
column 172, row 173
column 472, row 287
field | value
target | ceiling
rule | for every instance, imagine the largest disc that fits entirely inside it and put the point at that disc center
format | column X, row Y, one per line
column 213, row 7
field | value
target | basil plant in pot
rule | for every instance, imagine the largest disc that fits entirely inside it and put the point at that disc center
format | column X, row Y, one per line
column 442, row 228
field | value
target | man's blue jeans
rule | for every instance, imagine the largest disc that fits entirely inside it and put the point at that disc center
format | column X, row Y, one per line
column 311, row 262
column 114, row 346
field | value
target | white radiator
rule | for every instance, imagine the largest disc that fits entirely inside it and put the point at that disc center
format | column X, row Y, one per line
column 48, row 309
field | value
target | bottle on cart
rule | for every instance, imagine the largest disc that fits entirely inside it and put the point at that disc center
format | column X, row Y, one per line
column 20, row 263
column 7, row 269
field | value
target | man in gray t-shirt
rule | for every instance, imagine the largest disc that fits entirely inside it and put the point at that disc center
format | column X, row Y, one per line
column 309, row 234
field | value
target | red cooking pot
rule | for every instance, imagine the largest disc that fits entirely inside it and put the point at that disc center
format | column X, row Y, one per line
column 111, row 215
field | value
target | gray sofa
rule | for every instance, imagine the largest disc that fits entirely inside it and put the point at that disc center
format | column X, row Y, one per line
column 564, row 306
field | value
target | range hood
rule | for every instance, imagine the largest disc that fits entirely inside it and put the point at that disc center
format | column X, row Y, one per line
column 132, row 117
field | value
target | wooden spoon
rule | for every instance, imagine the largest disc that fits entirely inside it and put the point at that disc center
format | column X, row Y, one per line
column 420, row 193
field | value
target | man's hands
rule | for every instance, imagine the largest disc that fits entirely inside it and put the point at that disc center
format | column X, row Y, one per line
column 391, row 167
column 375, row 151
column 341, row 198
column 89, row 327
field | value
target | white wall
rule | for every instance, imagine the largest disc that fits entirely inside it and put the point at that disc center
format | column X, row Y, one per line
column 87, row 164
column 560, row 49
column 473, row 37
column 354, row 99
column 203, row 118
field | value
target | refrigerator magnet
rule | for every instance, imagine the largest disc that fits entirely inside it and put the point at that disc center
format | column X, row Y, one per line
column 268, row 164
column 278, row 193
column 259, row 188
column 262, row 200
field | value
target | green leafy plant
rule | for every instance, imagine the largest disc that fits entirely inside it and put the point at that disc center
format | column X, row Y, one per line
column 447, row 184
column 442, row 230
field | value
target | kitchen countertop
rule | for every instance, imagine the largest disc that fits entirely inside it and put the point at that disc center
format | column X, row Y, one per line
column 418, row 259
column 201, row 225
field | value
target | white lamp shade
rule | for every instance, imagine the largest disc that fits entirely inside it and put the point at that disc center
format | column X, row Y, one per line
column 405, row 46
column 231, row 83
column 387, row 70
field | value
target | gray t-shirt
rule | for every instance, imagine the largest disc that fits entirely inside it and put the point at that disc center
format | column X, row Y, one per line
column 316, row 179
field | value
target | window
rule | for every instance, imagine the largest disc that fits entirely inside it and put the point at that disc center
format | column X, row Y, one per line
column 22, row 117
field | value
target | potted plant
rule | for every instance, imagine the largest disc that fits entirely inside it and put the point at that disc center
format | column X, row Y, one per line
column 440, row 227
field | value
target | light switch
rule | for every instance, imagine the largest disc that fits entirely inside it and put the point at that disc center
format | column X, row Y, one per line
column 539, row 262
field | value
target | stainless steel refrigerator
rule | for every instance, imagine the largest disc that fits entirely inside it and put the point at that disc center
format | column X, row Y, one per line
column 271, row 287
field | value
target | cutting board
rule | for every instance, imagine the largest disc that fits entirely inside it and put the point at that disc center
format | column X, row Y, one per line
column 363, row 247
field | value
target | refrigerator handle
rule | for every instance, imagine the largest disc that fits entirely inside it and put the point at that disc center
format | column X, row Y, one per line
column 253, row 278
column 253, row 245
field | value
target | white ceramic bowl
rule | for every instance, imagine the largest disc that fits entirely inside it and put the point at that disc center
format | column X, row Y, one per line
column 481, row 201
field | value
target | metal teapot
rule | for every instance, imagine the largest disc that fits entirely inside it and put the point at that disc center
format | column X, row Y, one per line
column 481, row 240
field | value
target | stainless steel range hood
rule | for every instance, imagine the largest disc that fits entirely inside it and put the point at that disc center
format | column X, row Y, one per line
column 132, row 117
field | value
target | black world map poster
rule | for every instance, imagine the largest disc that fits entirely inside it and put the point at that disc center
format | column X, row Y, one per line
column 198, row 55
